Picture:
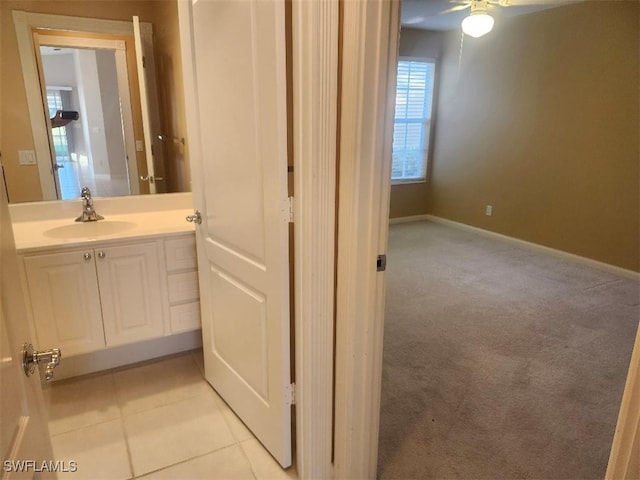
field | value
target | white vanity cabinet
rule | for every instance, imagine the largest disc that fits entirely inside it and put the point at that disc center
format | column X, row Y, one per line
column 182, row 279
column 86, row 299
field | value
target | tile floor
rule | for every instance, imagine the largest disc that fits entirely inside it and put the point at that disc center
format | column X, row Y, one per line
column 158, row 420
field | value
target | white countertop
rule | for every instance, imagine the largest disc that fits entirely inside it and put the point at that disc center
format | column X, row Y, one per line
column 37, row 231
column 40, row 235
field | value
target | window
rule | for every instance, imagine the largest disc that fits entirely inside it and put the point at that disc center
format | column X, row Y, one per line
column 412, row 124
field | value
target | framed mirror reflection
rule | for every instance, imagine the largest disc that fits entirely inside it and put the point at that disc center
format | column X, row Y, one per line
column 98, row 102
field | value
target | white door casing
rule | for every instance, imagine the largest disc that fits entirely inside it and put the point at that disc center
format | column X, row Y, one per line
column 144, row 103
column 235, row 88
column 24, row 434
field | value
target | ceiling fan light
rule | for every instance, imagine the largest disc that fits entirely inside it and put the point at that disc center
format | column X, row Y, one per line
column 477, row 24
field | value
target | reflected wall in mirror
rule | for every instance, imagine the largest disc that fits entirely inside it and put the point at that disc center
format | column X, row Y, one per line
column 20, row 135
column 91, row 150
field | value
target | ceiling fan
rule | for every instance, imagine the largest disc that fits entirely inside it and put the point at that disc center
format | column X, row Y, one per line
column 480, row 22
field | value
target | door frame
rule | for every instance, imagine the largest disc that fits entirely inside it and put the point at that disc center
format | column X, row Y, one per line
column 368, row 50
column 315, row 69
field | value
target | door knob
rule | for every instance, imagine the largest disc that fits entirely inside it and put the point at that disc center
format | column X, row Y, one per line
column 101, row 254
column 31, row 358
column 195, row 218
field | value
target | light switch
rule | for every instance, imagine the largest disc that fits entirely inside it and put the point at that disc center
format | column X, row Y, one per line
column 139, row 146
column 26, row 157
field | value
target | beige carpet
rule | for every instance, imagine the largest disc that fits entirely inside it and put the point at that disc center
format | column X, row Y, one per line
column 499, row 362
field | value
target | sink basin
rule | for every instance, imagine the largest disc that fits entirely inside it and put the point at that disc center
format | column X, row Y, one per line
column 89, row 229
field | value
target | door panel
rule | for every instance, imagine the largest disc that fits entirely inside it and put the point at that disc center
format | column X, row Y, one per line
column 240, row 186
column 24, row 434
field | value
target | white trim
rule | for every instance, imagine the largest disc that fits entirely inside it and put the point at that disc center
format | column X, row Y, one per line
column 369, row 46
column 23, row 24
column 315, row 94
column 628, row 428
column 623, row 272
column 144, row 103
column 95, row 43
column 408, row 219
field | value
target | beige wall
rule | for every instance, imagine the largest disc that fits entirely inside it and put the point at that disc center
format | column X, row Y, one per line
column 15, row 130
column 411, row 199
column 541, row 121
column 172, row 109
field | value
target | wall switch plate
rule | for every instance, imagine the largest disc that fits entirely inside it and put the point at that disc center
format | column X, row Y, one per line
column 26, row 157
column 488, row 211
column 139, row 146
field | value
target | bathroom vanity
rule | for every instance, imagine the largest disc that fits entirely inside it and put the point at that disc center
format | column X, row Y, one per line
column 111, row 292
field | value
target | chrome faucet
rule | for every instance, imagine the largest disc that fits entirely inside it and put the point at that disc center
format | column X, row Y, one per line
column 88, row 213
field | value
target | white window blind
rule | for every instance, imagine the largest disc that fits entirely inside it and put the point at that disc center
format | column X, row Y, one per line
column 414, row 98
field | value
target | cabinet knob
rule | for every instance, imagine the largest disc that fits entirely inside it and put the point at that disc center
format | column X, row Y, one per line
column 101, row 254
column 87, row 256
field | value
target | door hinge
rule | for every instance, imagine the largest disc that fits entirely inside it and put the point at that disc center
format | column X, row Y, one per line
column 381, row 263
column 290, row 209
column 290, row 394
column 144, row 62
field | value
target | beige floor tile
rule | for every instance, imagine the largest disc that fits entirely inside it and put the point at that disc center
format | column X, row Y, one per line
column 263, row 464
column 199, row 358
column 238, row 429
column 79, row 403
column 176, row 432
column 226, row 464
column 99, row 450
column 159, row 383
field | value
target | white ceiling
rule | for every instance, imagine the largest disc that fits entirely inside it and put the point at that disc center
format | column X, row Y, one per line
column 426, row 14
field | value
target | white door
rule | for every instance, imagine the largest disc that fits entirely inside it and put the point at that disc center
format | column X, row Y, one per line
column 235, row 82
column 24, row 434
column 144, row 104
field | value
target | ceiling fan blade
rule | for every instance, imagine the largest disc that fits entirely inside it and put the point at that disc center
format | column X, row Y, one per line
column 455, row 9
column 541, row 3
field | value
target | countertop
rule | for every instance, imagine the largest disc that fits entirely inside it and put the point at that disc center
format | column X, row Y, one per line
column 32, row 236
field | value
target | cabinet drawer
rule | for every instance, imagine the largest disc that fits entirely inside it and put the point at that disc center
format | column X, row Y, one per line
column 181, row 253
column 183, row 287
column 185, row 317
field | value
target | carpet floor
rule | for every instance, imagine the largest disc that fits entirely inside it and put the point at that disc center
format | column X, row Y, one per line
column 500, row 362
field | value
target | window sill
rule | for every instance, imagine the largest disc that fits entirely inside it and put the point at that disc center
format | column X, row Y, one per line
column 408, row 181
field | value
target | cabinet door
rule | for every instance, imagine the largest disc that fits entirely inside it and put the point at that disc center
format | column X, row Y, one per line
column 130, row 290
column 66, row 301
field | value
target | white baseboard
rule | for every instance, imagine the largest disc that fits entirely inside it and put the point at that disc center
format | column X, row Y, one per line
column 623, row 272
column 412, row 218
column 126, row 354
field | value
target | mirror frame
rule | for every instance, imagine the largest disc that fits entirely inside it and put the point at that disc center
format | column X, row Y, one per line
column 24, row 23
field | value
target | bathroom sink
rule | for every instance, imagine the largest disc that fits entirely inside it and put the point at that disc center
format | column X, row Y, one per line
column 89, row 229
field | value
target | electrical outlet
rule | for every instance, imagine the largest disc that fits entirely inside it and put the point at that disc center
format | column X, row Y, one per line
column 26, row 157
column 488, row 211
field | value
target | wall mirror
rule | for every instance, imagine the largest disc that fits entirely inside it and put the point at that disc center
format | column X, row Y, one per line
column 120, row 78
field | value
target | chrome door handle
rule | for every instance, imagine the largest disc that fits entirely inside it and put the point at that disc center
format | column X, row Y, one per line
column 58, row 166
column 147, row 178
column 195, row 218
column 31, row 358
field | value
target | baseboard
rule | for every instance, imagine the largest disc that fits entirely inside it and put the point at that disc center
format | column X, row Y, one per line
column 623, row 272
column 126, row 354
column 412, row 218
